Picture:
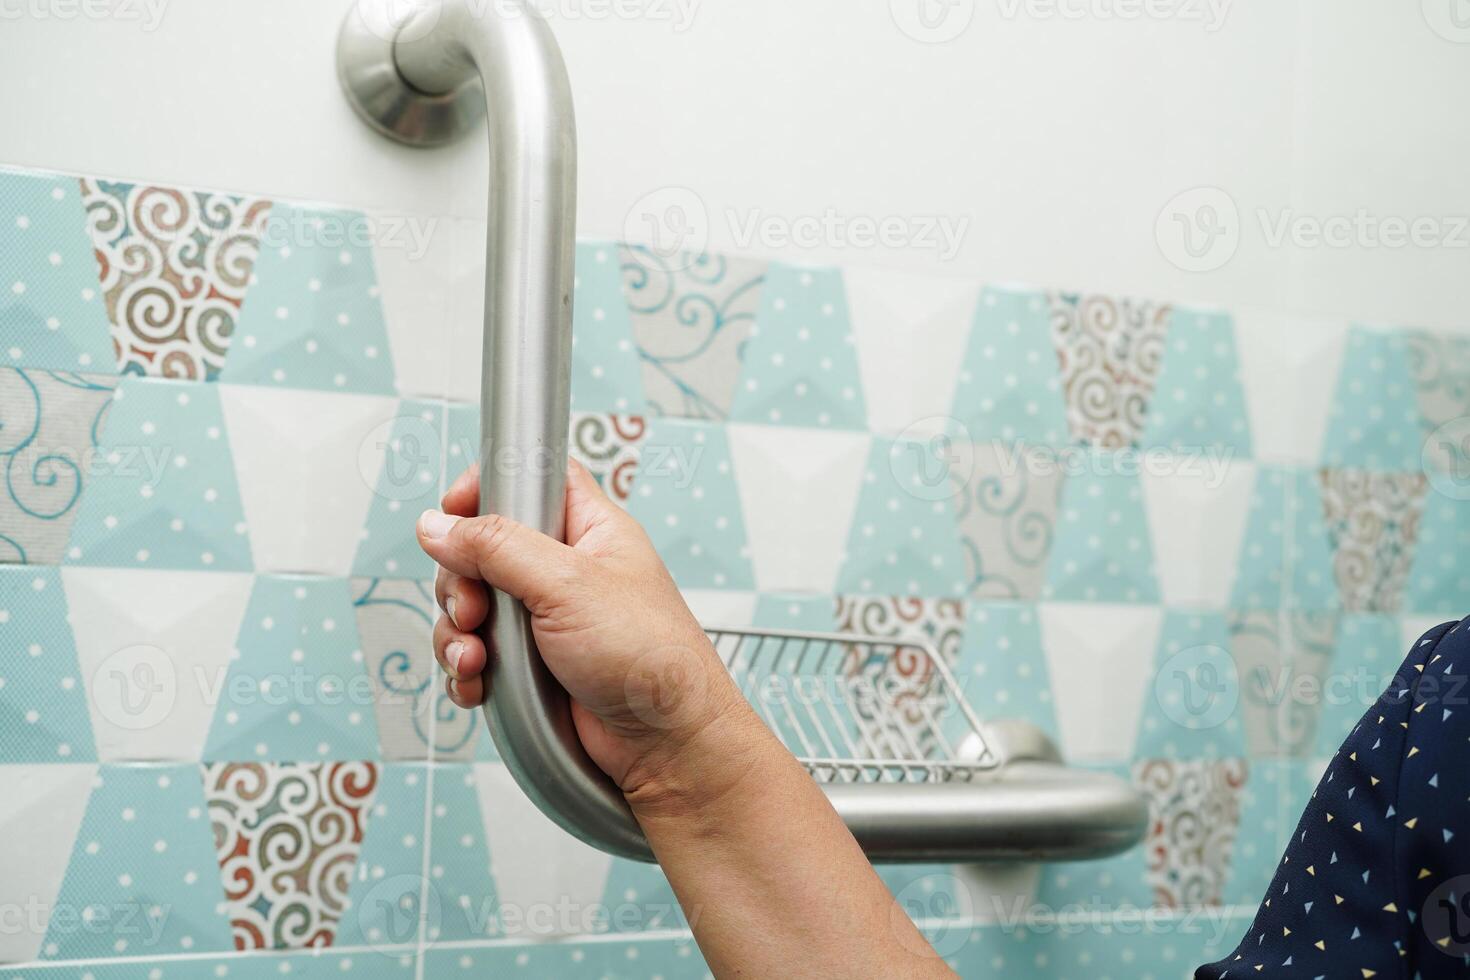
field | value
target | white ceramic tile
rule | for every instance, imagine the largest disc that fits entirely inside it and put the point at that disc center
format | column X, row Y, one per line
column 1197, row 515
column 798, row 490
column 1099, row 657
column 536, row 864
column 418, row 270
column 713, row 607
column 911, row 333
column 1289, row 366
column 40, row 813
column 153, row 649
column 307, row 463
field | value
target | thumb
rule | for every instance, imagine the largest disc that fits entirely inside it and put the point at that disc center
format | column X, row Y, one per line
column 503, row 553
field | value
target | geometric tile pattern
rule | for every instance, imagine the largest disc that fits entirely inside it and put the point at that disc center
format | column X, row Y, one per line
column 207, row 531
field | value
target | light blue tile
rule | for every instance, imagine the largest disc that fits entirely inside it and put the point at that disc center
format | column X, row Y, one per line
column 607, row 374
column 685, row 495
column 298, row 692
column 817, row 614
column 669, row 959
column 1365, row 660
column 1193, row 707
column 639, row 898
column 43, row 696
column 164, row 494
column 1102, row 551
column 1109, row 884
column 1285, row 498
column 1198, row 400
column 312, row 318
column 234, row 966
column 1002, row 668
column 421, row 459
column 800, row 365
column 902, row 542
column 1440, row 578
column 1009, row 384
column 51, row 309
column 1375, row 422
column 143, row 859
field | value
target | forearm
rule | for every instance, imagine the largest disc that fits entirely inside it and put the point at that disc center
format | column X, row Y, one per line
column 772, row 882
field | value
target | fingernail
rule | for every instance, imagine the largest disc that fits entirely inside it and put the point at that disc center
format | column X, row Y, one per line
column 449, row 605
column 453, row 652
column 453, row 688
column 436, row 524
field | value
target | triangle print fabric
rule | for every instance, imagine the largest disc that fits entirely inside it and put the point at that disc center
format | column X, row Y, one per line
column 51, row 310
column 312, row 318
column 298, row 689
column 143, row 880
column 165, row 495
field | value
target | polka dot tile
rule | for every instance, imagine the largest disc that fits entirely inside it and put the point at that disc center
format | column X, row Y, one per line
column 49, row 421
column 164, row 494
column 43, row 699
column 1286, row 529
column 903, row 541
column 815, row 614
column 1102, row 551
column 607, row 375
column 143, row 880
column 639, row 898
column 388, row 887
column 1375, row 422
column 685, row 495
column 1199, row 402
column 1009, row 386
column 1366, row 657
column 299, row 689
column 1108, row 884
column 800, row 365
column 312, row 317
column 1439, row 579
column 1001, row 668
column 1193, row 710
column 420, row 460
column 647, row 959
column 51, row 309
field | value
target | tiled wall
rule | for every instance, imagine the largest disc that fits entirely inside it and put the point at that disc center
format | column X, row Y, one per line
column 1191, row 544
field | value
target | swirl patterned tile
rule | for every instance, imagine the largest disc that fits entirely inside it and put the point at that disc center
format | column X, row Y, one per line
column 1110, row 351
column 1285, row 499
column 610, row 447
column 1199, row 402
column 175, row 266
column 1195, row 806
column 287, row 837
column 43, row 699
column 312, row 317
column 1281, row 658
column 1373, row 522
column 1375, row 421
column 419, row 460
column 1194, row 709
column 691, row 317
column 686, row 496
column 1103, row 550
column 1010, row 388
column 51, row 310
column 299, row 689
column 903, row 540
column 1006, row 509
column 1001, row 667
column 47, row 447
column 388, row 889
column 40, row 813
column 607, row 375
column 395, row 620
column 800, row 364
column 166, row 496
column 1439, row 579
column 144, row 863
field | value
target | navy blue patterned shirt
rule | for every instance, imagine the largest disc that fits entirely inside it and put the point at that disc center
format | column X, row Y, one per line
column 1376, row 879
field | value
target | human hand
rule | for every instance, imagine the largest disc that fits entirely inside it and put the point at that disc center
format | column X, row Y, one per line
column 606, row 615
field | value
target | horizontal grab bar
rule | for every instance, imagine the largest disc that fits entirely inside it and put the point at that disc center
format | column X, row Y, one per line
column 423, row 72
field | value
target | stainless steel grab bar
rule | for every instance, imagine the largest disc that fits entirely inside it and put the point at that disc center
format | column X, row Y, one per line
column 422, row 72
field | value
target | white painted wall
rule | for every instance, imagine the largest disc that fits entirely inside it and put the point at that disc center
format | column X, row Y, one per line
column 1060, row 139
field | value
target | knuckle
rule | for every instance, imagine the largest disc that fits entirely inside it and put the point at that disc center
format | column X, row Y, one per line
column 488, row 536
